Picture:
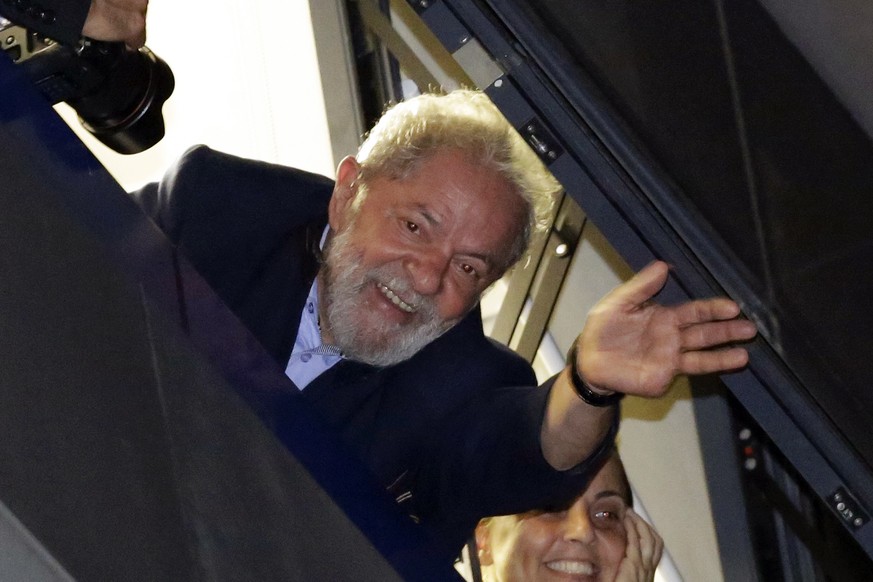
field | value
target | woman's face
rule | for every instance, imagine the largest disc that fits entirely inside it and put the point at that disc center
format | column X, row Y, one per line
column 585, row 542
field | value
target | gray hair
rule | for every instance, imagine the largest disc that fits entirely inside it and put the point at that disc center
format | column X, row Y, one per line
column 464, row 120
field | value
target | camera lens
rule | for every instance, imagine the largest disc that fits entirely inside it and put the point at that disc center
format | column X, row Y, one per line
column 124, row 111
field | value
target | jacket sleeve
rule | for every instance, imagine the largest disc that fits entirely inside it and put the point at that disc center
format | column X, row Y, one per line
column 487, row 458
column 60, row 20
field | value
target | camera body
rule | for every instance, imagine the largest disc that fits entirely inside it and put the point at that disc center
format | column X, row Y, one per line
column 116, row 91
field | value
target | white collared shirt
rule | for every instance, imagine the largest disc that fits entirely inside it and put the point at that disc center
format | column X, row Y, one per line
column 310, row 356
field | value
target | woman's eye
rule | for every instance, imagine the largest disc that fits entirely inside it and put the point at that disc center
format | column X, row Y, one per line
column 411, row 227
column 606, row 516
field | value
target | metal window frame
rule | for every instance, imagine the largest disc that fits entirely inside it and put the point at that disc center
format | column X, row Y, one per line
column 607, row 179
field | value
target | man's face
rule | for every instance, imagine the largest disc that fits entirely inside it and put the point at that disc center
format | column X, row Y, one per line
column 585, row 542
column 415, row 256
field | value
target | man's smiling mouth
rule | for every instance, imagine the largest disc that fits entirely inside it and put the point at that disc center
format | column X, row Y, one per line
column 400, row 303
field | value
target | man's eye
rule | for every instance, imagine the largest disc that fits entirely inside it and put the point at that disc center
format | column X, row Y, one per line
column 468, row 269
column 411, row 227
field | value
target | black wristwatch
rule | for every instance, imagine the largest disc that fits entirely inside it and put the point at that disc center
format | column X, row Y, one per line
column 584, row 392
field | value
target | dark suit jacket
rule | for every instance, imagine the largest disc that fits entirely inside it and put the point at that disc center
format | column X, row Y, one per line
column 453, row 432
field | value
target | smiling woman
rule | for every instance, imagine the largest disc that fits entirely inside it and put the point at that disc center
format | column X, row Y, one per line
column 597, row 538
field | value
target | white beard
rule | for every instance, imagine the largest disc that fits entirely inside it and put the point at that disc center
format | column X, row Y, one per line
column 360, row 333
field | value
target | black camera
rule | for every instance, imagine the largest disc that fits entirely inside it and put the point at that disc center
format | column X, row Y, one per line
column 116, row 91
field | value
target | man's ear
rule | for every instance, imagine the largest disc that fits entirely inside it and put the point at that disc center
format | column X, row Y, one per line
column 344, row 192
column 483, row 544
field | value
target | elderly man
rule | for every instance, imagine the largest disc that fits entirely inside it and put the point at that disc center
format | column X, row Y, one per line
column 366, row 291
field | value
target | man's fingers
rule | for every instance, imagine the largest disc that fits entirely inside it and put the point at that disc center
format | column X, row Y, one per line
column 702, row 310
column 131, row 5
column 716, row 333
column 137, row 40
column 117, row 20
column 642, row 286
column 707, row 362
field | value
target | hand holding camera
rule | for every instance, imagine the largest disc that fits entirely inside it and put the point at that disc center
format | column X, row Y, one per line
column 116, row 85
column 117, row 20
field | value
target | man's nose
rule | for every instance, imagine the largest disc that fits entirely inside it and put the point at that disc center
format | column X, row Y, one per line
column 427, row 269
column 577, row 525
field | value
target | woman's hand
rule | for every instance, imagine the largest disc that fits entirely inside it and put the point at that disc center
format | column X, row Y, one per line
column 643, row 552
